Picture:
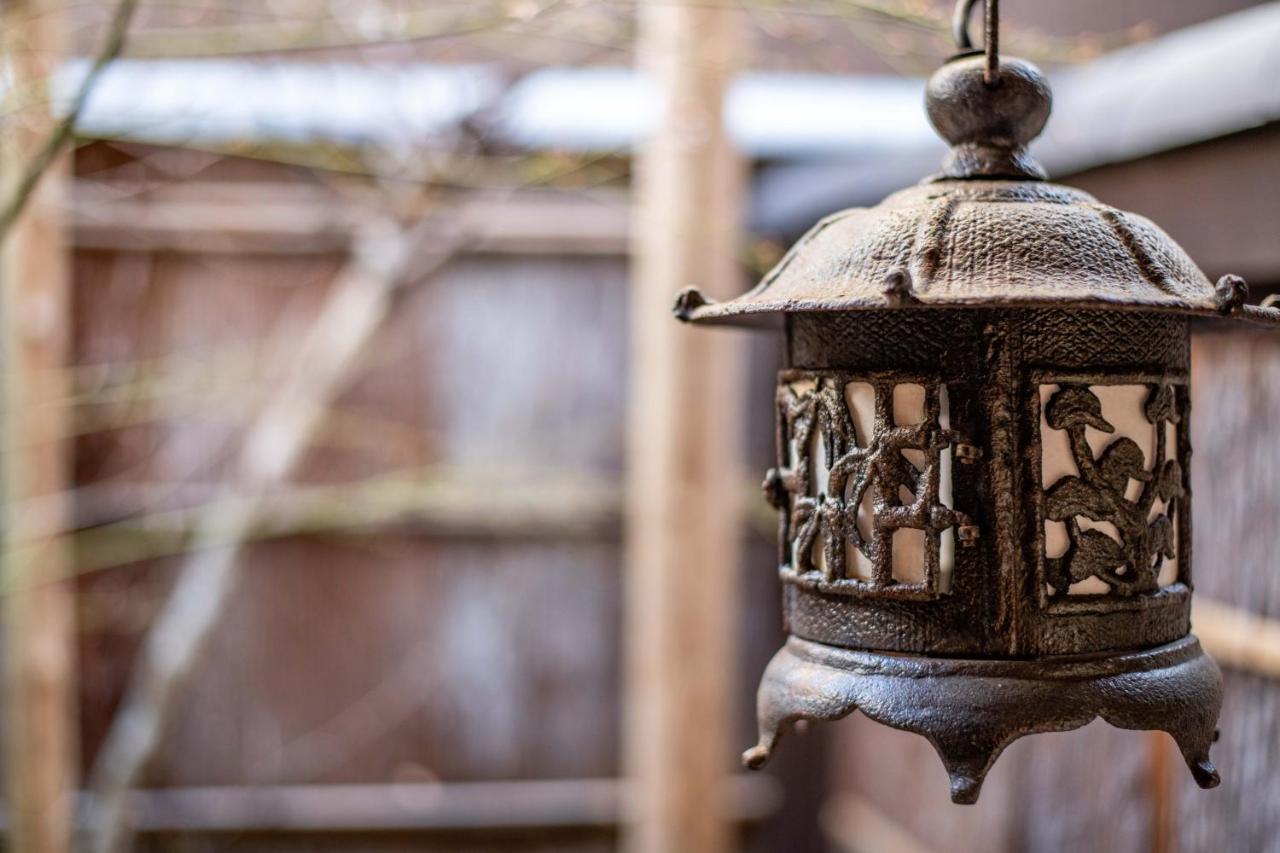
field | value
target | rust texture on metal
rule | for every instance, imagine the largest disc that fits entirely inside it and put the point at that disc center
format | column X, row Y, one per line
column 1009, row 554
column 972, row 709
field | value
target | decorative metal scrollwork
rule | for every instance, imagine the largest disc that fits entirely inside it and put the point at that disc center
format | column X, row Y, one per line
column 898, row 467
column 1129, row 562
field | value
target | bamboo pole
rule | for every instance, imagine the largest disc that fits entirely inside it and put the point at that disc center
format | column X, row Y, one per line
column 38, row 607
column 1237, row 638
column 684, row 420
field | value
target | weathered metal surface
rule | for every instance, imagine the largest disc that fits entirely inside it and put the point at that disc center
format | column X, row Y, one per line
column 986, row 231
column 992, row 366
column 979, row 243
column 1048, row 438
column 1006, row 375
column 971, row 709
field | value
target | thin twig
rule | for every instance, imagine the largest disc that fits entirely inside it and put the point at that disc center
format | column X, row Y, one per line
column 324, row 34
column 273, row 446
column 64, row 131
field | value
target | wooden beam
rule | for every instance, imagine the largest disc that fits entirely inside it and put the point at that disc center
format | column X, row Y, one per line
column 1237, row 638
column 418, row 807
column 682, row 496
column 38, row 605
column 280, row 218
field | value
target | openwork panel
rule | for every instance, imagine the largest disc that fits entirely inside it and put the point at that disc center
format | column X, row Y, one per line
column 864, row 483
column 1112, row 485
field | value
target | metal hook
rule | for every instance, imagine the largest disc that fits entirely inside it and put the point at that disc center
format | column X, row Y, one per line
column 991, row 46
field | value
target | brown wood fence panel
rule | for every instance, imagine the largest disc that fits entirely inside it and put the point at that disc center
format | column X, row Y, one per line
column 1236, row 476
column 377, row 655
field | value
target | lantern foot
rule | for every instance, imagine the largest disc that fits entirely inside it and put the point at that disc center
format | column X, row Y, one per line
column 971, row 709
column 1206, row 775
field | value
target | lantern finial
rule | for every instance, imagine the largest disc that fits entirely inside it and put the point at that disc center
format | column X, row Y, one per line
column 987, row 109
column 989, row 127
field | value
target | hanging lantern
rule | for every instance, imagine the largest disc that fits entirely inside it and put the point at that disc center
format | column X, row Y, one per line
column 983, row 451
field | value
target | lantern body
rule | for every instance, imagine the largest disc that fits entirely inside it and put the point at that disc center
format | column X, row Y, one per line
column 983, row 453
column 946, row 481
column 985, row 527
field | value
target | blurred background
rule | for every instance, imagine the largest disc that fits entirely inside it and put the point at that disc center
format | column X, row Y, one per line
column 342, row 403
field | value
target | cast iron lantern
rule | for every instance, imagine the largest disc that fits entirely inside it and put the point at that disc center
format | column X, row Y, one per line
column 983, row 451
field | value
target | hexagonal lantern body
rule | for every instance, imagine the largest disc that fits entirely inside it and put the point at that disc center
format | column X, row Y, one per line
column 983, row 454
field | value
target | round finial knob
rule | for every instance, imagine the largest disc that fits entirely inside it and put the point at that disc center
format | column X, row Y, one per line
column 989, row 125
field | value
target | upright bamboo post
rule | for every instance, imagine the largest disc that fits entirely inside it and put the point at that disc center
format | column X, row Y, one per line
column 38, row 599
column 685, row 419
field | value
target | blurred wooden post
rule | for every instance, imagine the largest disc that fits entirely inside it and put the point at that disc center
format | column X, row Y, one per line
column 685, row 418
column 38, row 601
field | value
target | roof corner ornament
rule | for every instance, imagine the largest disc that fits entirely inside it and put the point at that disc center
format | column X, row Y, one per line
column 1232, row 292
column 687, row 302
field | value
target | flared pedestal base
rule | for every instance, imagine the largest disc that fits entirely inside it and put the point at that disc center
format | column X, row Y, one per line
column 971, row 709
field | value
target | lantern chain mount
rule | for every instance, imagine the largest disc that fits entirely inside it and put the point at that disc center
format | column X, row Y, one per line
column 991, row 33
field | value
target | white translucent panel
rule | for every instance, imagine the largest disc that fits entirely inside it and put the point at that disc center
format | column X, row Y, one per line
column 803, row 386
column 1056, row 461
column 819, row 474
column 908, row 404
column 908, row 555
column 1168, row 566
column 944, row 407
column 866, row 513
column 860, row 397
column 944, row 478
column 1133, row 491
column 1101, row 526
column 819, row 554
column 856, row 563
column 946, row 559
column 1055, row 538
column 1089, row 586
column 947, row 545
column 1123, row 406
column 916, row 457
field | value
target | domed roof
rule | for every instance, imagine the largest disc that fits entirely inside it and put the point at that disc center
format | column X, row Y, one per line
column 988, row 232
column 979, row 243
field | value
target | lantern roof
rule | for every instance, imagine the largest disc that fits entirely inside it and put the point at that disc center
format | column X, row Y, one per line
column 987, row 232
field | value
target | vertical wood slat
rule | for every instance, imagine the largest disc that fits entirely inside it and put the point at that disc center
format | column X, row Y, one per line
column 1235, row 474
column 38, row 604
column 683, row 427
column 1162, row 782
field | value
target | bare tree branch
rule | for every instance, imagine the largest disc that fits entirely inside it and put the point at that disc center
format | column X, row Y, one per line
column 361, row 299
column 65, row 129
column 326, row 33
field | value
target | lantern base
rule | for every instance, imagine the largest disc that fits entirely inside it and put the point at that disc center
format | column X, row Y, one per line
column 971, row 709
